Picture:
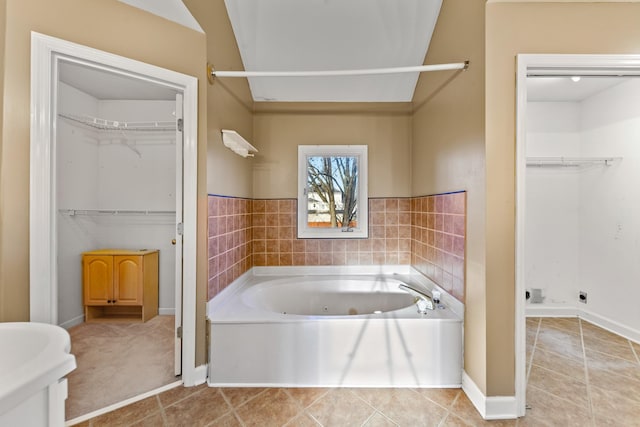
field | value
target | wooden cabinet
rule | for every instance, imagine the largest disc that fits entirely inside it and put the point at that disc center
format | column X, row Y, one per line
column 120, row 284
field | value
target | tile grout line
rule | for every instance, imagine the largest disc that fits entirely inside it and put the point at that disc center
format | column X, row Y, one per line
column 453, row 402
column 165, row 422
column 586, row 375
column 633, row 350
column 533, row 351
column 303, row 409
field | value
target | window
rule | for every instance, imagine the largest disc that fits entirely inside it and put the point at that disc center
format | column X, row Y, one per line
column 332, row 191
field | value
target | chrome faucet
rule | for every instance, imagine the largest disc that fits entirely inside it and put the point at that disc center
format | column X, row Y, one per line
column 423, row 301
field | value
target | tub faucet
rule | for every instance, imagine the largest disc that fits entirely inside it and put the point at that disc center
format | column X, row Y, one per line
column 423, row 301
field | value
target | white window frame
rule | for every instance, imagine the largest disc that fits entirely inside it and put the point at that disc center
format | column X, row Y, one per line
column 359, row 232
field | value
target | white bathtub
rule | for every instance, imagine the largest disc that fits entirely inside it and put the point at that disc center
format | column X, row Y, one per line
column 34, row 360
column 270, row 328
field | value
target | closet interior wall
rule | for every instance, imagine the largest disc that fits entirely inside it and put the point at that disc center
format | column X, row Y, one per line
column 112, row 170
column 582, row 229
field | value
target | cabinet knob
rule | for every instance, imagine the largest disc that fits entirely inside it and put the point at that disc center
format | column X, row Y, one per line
column 173, row 241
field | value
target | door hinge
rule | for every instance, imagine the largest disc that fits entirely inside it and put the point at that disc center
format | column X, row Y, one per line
column 180, row 229
column 180, row 125
column 179, row 332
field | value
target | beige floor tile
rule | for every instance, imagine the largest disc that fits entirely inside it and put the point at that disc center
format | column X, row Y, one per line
column 176, row 394
column 454, row 421
column 561, row 364
column 154, row 420
column 405, row 407
column 605, row 362
column 615, row 385
column 608, row 420
column 199, row 409
column 592, row 331
column 636, row 350
column 117, row 361
column 303, row 420
column 605, row 404
column 561, row 386
column 532, row 322
column 623, row 351
column 548, row 410
column 273, row 407
column 567, row 324
column 379, row 420
column 128, row 414
column 227, row 420
column 306, row 396
column 565, row 344
column 442, row 396
column 340, row 407
column 239, row 396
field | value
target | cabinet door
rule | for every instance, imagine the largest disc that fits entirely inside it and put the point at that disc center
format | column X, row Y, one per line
column 127, row 280
column 98, row 279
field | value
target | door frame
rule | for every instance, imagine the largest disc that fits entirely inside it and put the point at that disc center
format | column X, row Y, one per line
column 557, row 65
column 46, row 51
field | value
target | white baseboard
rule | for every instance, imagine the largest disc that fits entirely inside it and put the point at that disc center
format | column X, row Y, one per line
column 167, row 311
column 200, row 374
column 490, row 408
column 610, row 325
column 540, row 310
column 72, row 322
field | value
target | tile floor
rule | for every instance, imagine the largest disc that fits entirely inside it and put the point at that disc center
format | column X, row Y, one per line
column 578, row 375
column 117, row 361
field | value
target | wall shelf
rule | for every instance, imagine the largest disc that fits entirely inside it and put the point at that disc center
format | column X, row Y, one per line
column 236, row 143
column 570, row 161
column 118, row 126
column 112, row 212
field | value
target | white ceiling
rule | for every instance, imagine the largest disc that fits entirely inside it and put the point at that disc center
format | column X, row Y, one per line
column 105, row 85
column 313, row 35
column 563, row 89
column 173, row 10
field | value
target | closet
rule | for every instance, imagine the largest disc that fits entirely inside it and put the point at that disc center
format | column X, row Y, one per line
column 116, row 178
column 582, row 233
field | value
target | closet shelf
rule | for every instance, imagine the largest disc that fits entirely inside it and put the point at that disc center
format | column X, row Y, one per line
column 570, row 161
column 118, row 126
column 102, row 212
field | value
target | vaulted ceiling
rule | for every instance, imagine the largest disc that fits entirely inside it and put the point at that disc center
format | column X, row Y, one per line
column 321, row 35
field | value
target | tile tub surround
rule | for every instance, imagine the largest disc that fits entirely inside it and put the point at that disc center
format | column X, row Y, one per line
column 427, row 232
column 438, row 225
column 275, row 242
column 229, row 241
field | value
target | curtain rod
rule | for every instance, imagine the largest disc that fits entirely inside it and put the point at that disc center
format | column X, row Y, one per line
column 333, row 73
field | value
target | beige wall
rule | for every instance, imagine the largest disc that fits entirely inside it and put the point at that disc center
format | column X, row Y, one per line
column 513, row 28
column 280, row 128
column 229, row 103
column 448, row 155
column 107, row 25
column 3, row 7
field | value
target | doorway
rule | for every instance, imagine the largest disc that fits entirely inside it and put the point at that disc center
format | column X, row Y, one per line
column 52, row 59
column 533, row 172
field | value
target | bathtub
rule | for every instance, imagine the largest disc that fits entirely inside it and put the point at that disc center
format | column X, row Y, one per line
column 312, row 327
column 34, row 360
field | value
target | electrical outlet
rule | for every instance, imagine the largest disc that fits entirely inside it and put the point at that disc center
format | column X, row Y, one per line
column 583, row 297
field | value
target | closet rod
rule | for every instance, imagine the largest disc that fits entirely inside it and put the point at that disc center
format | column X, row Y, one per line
column 98, row 212
column 333, row 73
